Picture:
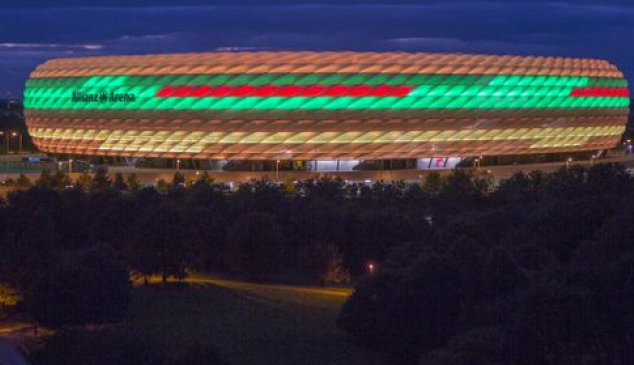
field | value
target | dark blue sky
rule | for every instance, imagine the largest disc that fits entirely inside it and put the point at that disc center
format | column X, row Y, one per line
column 32, row 31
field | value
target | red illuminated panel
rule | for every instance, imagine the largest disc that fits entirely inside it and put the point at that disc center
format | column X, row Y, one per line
column 207, row 91
column 606, row 92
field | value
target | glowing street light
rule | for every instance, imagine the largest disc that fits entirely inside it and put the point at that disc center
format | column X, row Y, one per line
column 568, row 161
column 178, row 165
column 370, row 268
column 19, row 135
column 477, row 162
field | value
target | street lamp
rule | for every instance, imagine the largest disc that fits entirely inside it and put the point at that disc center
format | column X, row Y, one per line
column 19, row 135
column 592, row 160
column 568, row 161
column 178, row 165
column 277, row 171
column 477, row 162
column 70, row 166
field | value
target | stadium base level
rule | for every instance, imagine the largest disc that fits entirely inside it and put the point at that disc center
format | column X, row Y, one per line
column 438, row 163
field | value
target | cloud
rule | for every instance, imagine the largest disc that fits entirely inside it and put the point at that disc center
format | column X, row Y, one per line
column 44, row 46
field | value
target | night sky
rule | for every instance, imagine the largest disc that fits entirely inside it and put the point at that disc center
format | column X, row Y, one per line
column 32, row 31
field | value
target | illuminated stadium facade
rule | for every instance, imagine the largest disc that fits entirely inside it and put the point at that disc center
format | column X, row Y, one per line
column 324, row 106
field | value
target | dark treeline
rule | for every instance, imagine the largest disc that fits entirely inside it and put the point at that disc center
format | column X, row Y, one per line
column 263, row 230
column 59, row 236
column 537, row 271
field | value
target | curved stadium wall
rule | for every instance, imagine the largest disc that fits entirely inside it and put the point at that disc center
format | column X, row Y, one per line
column 324, row 105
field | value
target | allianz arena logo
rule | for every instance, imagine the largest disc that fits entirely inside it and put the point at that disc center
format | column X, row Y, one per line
column 105, row 96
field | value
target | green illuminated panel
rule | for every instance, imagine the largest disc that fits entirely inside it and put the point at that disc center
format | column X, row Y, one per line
column 431, row 91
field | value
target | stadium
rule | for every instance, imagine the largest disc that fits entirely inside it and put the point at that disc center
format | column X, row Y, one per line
column 315, row 107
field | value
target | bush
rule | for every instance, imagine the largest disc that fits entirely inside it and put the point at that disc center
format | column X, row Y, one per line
column 406, row 312
column 91, row 287
column 562, row 325
column 117, row 347
column 486, row 346
column 99, row 347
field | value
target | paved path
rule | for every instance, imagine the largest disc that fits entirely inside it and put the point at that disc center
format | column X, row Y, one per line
column 238, row 285
column 9, row 355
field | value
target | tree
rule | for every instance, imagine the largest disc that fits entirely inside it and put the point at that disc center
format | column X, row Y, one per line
column 614, row 239
column 162, row 186
column 84, row 180
column 289, row 184
column 433, row 182
column 23, row 181
column 60, row 180
column 101, row 179
column 560, row 324
column 259, row 195
column 372, row 233
column 35, row 252
column 119, row 183
column 253, row 246
column 324, row 187
column 461, row 185
column 111, row 218
column 406, row 312
column 146, row 198
column 520, row 187
column 162, row 243
column 324, row 262
column 74, row 219
column 203, row 180
column 133, row 182
column 90, row 287
column 45, row 180
column 178, row 182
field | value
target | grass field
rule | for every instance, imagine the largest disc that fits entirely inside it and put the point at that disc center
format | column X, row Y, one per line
column 250, row 323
